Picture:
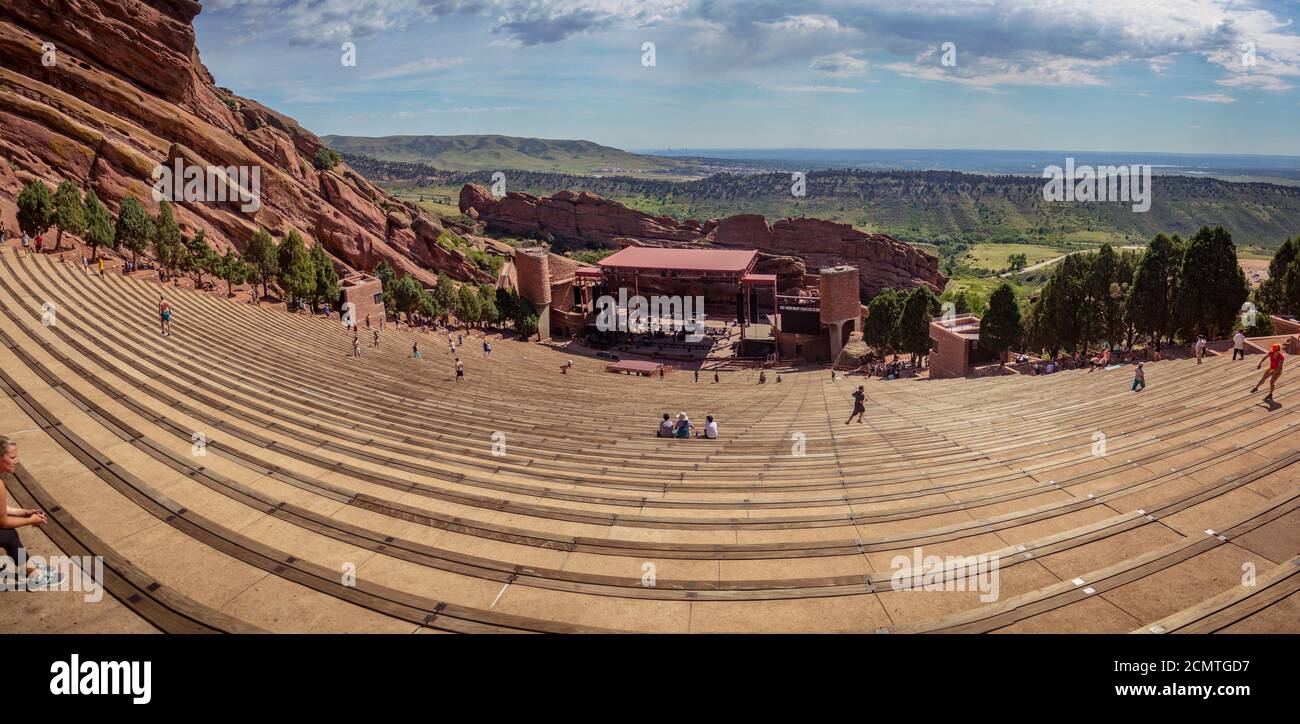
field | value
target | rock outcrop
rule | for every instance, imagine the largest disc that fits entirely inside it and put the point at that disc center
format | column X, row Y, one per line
column 788, row 247
column 124, row 91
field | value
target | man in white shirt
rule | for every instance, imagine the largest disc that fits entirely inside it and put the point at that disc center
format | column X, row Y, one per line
column 1239, row 345
column 711, row 429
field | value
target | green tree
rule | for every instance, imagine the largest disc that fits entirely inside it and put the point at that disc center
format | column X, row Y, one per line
column 325, row 158
column 1017, row 262
column 488, row 312
column 1291, row 285
column 232, row 270
column 387, row 280
column 327, row 278
column 1213, row 287
column 297, row 273
column 168, row 246
column 469, row 307
column 1000, row 328
column 408, row 295
column 1105, row 298
column 35, row 208
column 259, row 255
column 199, row 257
column 880, row 329
column 1271, row 295
column 444, row 294
column 914, row 323
column 134, row 227
column 1150, row 302
column 69, row 212
column 99, row 224
column 1063, row 319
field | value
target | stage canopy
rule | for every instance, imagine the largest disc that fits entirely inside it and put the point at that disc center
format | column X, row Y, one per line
column 680, row 262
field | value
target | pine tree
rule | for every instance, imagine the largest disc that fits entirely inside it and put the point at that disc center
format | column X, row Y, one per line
column 1213, row 287
column 232, row 270
column 469, row 308
column 199, row 258
column 167, row 244
column 1271, row 295
column 880, row 329
column 134, row 228
column 99, row 224
column 35, row 208
column 1150, row 302
column 297, row 272
column 914, row 323
column 69, row 212
column 1000, row 328
column 259, row 255
column 327, row 279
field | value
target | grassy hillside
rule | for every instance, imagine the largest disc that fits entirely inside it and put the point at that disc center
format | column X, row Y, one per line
column 503, row 153
column 916, row 206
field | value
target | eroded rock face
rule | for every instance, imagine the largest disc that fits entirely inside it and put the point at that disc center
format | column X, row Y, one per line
column 127, row 92
column 788, row 247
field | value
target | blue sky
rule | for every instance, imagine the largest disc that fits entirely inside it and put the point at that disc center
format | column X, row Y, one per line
column 1121, row 75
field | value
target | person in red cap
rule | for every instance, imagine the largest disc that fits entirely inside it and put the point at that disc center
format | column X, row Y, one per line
column 1275, row 358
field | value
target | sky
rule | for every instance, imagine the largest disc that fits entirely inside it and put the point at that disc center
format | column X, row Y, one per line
column 1182, row 76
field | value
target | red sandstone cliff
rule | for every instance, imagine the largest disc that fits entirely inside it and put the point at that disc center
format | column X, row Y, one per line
column 788, row 247
column 127, row 92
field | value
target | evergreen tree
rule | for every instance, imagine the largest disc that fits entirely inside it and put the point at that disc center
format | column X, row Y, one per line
column 259, row 255
column 1271, row 295
column 166, row 238
column 1291, row 285
column 488, row 312
column 1105, row 301
column 1063, row 317
column 35, row 208
column 1213, row 287
column 407, row 294
column 1150, row 302
column 387, row 280
column 469, row 308
column 1000, row 328
column 69, row 212
column 327, row 279
column 297, row 272
column 880, row 329
column 134, row 227
column 444, row 294
column 99, row 224
column 232, row 270
column 199, row 258
column 914, row 323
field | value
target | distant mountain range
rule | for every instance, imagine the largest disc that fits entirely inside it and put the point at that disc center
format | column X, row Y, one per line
column 492, row 152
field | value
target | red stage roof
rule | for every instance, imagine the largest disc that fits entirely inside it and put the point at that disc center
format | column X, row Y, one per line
column 646, row 258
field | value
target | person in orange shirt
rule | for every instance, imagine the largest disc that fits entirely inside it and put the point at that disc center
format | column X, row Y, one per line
column 1275, row 358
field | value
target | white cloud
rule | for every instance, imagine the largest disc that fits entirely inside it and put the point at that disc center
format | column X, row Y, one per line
column 1212, row 98
column 838, row 65
column 810, row 89
column 416, row 67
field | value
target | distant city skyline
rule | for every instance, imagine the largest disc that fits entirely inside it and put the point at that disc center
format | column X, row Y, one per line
column 1175, row 76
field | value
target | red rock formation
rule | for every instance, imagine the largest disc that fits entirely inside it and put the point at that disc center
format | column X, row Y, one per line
column 127, row 92
column 787, row 248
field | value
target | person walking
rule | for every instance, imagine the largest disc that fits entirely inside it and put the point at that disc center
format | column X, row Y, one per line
column 376, row 333
column 487, row 348
column 1275, row 359
column 715, row 377
column 27, row 244
column 415, row 350
column 1238, row 345
column 697, row 374
column 100, row 261
column 859, row 405
column 1139, row 379
column 165, row 314
column 1200, row 348
column 460, row 370
column 356, row 346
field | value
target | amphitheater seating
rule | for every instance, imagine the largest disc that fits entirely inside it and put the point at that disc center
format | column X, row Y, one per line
column 247, row 473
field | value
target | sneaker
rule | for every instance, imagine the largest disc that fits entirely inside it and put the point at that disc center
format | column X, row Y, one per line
column 43, row 578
